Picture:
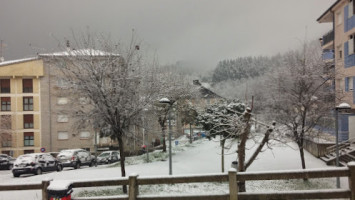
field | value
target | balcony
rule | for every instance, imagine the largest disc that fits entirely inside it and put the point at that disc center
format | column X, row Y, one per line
column 327, row 39
column 328, row 54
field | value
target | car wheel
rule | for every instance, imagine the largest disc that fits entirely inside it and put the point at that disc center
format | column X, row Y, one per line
column 16, row 175
column 10, row 167
column 59, row 168
column 77, row 165
column 38, row 171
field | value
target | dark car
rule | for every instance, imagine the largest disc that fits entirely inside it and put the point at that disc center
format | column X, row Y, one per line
column 75, row 158
column 35, row 163
column 6, row 162
column 107, row 157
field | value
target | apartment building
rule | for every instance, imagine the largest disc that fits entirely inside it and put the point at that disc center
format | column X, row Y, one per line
column 338, row 47
column 20, row 118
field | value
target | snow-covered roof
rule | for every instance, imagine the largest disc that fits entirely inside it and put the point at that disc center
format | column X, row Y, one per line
column 10, row 62
column 80, row 52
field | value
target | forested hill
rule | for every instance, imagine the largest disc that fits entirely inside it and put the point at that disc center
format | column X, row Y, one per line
column 243, row 67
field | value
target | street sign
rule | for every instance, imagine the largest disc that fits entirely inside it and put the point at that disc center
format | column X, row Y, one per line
column 43, row 149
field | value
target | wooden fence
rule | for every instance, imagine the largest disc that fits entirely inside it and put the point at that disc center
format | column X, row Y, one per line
column 134, row 181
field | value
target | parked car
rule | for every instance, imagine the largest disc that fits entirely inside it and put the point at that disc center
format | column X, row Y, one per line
column 54, row 154
column 107, row 157
column 35, row 163
column 6, row 161
column 75, row 158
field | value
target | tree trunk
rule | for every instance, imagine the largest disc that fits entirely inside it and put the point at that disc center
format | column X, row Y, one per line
column 300, row 146
column 190, row 134
column 122, row 162
column 260, row 147
column 241, row 149
column 223, row 141
column 164, row 143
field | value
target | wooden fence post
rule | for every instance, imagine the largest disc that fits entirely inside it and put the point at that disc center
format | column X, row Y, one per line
column 45, row 184
column 351, row 166
column 233, row 187
column 133, row 187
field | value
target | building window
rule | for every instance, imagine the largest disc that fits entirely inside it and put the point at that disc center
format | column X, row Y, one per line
column 27, row 121
column 27, row 103
column 84, row 135
column 63, row 135
column 5, row 103
column 6, row 140
column 349, row 85
column 62, row 118
column 28, row 139
column 351, row 8
column 27, row 85
column 351, row 45
column 339, row 18
column 62, row 101
column 10, row 153
column 28, row 151
column 5, row 85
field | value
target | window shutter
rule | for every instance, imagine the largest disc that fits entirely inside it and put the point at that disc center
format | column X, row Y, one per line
column 5, row 99
column 27, row 83
column 28, row 134
column 5, row 83
column 28, row 118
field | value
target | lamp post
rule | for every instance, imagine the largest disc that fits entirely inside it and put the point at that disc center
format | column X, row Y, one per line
column 167, row 101
column 342, row 106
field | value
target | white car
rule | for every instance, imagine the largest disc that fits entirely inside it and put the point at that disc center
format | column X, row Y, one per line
column 107, row 157
column 75, row 158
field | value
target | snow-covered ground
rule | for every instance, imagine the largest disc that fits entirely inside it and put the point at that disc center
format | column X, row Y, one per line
column 202, row 157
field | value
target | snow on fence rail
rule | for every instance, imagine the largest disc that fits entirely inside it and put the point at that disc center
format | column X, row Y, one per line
column 232, row 177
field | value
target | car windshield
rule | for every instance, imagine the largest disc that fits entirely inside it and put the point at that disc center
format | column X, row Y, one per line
column 105, row 154
column 3, row 156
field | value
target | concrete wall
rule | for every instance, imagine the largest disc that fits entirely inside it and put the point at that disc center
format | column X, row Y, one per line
column 316, row 149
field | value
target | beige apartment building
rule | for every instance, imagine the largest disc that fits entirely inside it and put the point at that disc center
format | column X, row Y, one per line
column 338, row 47
column 20, row 114
column 34, row 114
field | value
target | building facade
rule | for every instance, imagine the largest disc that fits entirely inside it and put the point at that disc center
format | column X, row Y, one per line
column 20, row 82
column 338, row 47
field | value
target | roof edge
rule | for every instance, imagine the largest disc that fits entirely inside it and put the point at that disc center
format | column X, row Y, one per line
column 328, row 10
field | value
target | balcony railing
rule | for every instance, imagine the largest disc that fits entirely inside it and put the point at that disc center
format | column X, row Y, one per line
column 328, row 37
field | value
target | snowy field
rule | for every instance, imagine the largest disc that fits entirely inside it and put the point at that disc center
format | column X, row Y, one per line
column 202, row 157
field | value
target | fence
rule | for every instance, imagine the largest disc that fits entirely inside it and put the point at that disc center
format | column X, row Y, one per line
column 134, row 181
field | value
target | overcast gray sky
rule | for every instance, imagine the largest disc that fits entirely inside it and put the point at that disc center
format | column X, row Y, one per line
column 199, row 31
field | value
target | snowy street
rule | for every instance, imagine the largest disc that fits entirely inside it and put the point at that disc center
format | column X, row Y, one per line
column 200, row 158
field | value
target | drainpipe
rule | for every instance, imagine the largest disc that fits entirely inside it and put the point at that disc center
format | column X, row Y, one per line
column 50, row 107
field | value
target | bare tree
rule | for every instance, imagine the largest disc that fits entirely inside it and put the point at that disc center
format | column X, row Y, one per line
column 301, row 95
column 232, row 120
column 173, row 85
column 116, row 81
column 5, row 130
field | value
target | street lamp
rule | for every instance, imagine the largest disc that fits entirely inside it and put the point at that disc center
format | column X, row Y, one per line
column 167, row 101
column 342, row 106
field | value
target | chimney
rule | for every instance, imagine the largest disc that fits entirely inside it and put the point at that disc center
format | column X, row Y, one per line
column 196, row 82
